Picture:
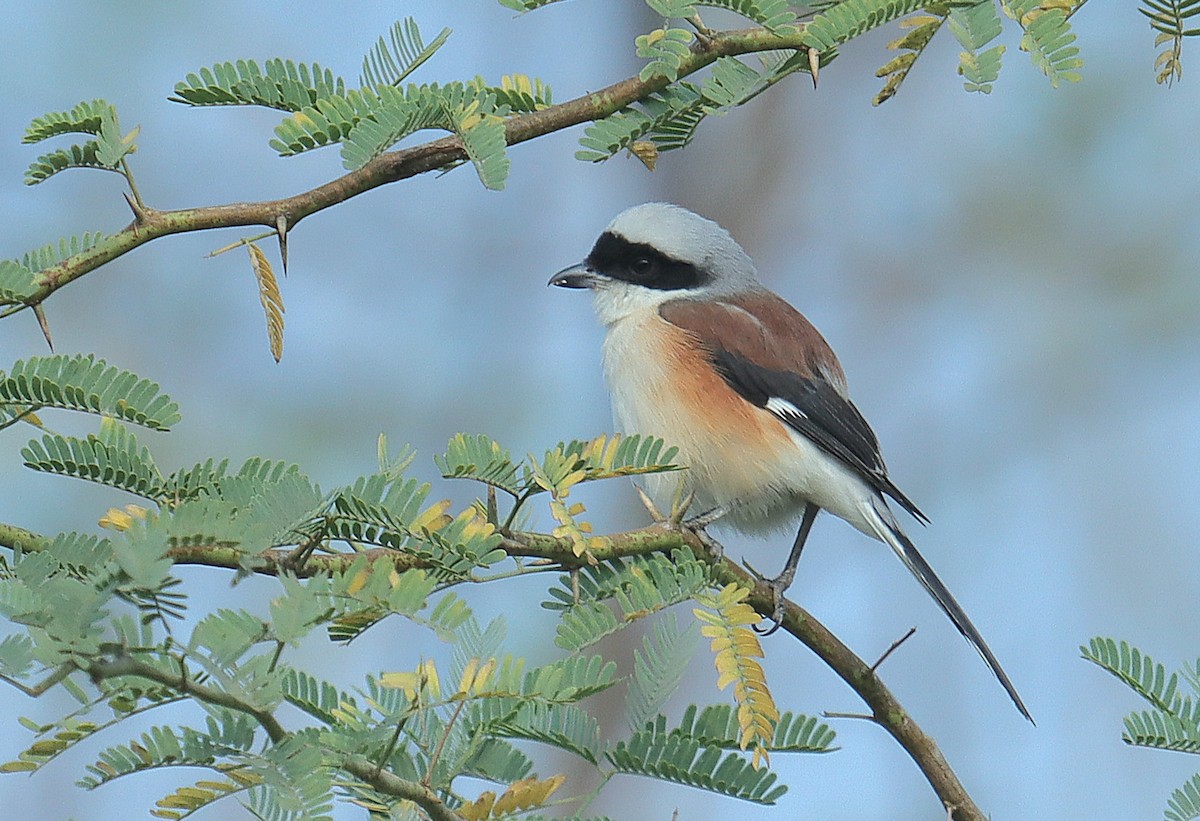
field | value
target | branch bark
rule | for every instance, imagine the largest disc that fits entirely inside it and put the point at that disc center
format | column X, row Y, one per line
column 150, row 224
column 383, row 780
column 886, row 709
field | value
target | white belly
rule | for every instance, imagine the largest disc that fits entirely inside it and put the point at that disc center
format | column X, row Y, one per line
column 738, row 456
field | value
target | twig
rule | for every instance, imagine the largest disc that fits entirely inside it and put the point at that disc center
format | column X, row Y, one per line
column 150, row 224
column 123, row 664
column 388, row 782
column 859, row 716
column 892, row 649
column 886, row 710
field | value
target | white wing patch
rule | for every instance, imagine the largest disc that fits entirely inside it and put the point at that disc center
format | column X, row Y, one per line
column 783, row 409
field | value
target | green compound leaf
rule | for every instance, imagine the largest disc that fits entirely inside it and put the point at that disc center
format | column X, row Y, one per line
column 84, row 383
column 974, row 27
column 392, row 60
column 280, row 84
column 849, row 19
column 85, row 118
column 1048, row 39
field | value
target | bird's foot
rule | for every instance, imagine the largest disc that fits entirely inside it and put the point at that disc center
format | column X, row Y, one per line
column 716, row 550
column 778, row 587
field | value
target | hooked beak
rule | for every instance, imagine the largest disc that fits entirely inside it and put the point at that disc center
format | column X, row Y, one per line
column 576, row 276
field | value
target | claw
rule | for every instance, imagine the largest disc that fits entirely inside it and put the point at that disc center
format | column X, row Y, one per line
column 777, row 602
column 778, row 586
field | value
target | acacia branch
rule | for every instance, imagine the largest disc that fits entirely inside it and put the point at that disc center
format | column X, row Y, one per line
column 388, row 782
column 122, row 664
column 886, row 710
column 383, row 780
column 150, row 224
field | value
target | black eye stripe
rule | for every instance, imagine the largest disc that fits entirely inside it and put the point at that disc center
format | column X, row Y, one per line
column 642, row 264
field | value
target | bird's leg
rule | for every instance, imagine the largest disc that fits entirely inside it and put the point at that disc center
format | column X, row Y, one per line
column 783, row 581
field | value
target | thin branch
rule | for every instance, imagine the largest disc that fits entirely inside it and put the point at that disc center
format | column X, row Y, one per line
column 892, row 649
column 441, row 745
column 392, row 784
column 125, row 665
column 382, row 780
column 151, row 224
column 886, row 710
column 60, row 673
column 857, row 716
column 22, row 416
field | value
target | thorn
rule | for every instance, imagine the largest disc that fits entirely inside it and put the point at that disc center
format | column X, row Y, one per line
column 860, row 716
column 814, row 64
column 648, row 503
column 703, row 32
column 281, row 229
column 892, row 649
column 680, row 505
column 40, row 313
column 139, row 212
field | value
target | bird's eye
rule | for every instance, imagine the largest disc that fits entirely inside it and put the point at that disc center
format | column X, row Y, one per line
column 641, row 267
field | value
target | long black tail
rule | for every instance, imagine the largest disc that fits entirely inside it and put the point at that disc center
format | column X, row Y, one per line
column 889, row 531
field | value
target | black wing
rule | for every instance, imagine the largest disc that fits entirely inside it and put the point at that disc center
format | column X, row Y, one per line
column 814, row 408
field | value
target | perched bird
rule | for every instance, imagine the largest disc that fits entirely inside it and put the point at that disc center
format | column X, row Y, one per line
column 699, row 353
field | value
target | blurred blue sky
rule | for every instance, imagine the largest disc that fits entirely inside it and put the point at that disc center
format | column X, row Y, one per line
column 1010, row 281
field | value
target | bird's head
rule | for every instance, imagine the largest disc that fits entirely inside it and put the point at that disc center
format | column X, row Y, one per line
column 655, row 252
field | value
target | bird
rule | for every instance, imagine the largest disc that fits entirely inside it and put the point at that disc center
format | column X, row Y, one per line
column 698, row 352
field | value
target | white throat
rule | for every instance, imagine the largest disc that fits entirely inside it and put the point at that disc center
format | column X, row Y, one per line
column 616, row 300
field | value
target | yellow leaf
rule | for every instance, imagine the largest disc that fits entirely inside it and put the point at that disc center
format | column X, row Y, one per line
column 433, row 517
column 474, row 526
column 116, row 519
column 645, row 151
column 18, row 767
column 270, row 297
column 570, row 480
column 468, row 677
column 359, row 581
column 526, row 793
column 429, row 671
column 610, row 451
column 480, row 808
column 483, row 678
column 517, row 82
column 919, row 20
column 408, row 682
column 422, row 680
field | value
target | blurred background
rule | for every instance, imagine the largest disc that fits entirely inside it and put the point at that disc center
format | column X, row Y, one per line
column 1010, row 281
